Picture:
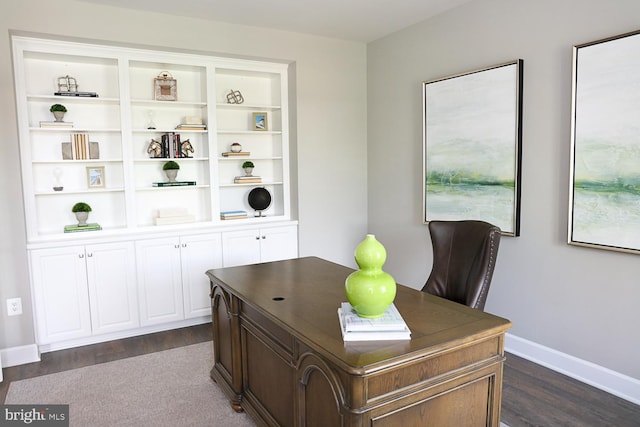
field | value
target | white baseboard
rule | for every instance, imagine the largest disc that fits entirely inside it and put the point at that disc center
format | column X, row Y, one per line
column 14, row 356
column 605, row 379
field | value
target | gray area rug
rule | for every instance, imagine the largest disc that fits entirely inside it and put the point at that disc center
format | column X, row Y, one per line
column 167, row 388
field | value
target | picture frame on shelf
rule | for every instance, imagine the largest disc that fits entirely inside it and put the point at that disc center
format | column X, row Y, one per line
column 472, row 146
column 604, row 183
column 165, row 87
column 260, row 121
column 95, row 177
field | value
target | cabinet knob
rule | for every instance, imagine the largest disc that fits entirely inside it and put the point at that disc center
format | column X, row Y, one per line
column 80, row 255
column 176, row 246
column 264, row 237
column 90, row 255
column 184, row 245
column 257, row 237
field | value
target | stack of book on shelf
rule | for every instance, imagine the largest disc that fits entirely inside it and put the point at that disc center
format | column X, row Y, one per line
column 236, row 153
column 233, row 214
column 389, row 326
column 171, row 146
column 56, row 125
column 192, row 123
column 80, row 148
column 74, row 228
column 247, row 179
column 185, row 126
column 80, row 94
column 173, row 183
column 167, row 216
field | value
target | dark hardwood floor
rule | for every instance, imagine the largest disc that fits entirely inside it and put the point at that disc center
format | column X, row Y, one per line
column 532, row 395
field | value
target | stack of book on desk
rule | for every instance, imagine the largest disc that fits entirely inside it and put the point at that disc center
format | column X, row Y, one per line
column 389, row 326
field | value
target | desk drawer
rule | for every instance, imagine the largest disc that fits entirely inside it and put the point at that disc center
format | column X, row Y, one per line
column 251, row 318
column 404, row 377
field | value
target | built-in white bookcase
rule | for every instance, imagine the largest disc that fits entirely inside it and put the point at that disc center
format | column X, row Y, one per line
column 164, row 283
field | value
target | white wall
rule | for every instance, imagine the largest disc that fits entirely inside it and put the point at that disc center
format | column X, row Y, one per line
column 330, row 83
column 579, row 301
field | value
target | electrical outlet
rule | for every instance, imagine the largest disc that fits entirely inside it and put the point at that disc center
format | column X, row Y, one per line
column 14, row 306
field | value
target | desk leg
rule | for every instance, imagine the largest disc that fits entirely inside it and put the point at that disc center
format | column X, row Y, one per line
column 227, row 360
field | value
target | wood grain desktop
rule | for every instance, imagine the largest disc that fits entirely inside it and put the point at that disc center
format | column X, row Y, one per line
column 279, row 354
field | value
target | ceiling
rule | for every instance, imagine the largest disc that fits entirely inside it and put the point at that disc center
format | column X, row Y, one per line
column 356, row 20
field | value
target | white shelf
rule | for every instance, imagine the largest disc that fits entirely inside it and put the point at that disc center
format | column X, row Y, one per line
column 176, row 159
column 175, row 187
column 78, row 191
column 250, row 132
column 167, row 104
column 245, row 158
column 77, row 161
column 252, row 184
column 251, row 107
column 59, row 99
column 168, row 131
column 74, row 130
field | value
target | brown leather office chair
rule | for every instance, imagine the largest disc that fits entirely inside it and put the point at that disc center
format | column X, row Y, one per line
column 464, row 256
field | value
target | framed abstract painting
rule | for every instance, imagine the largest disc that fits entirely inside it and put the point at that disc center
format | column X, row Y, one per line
column 472, row 143
column 604, row 194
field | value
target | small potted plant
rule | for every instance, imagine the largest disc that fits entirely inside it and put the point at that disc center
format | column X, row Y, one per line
column 248, row 167
column 171, row 168
column 58, row 111
column 81, row 210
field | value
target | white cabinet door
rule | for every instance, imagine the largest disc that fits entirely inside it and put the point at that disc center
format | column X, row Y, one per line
column 278, row 243
column 60, row 294
column 111, row 270
column 159, row 281
column 241, row 247
column 198, row 254
column 259, row 245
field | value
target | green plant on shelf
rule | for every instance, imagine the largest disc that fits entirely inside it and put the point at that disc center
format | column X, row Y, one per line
column 58, row 107
column 247, row 164
column 81, row 207
column 170, row 165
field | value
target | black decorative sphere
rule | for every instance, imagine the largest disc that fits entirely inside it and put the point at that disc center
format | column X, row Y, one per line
column 259, row 198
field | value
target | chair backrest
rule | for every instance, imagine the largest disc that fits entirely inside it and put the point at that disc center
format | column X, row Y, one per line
column 464, row 256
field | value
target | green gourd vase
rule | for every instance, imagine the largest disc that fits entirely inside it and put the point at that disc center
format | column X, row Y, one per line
column 370, row 291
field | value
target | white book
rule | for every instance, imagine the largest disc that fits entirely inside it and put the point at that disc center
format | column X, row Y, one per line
column 172, row 212
column 175, row 220
column 391, row 320
column 372, row 335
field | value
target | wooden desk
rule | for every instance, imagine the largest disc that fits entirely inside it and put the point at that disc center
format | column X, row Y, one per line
column 279, row 354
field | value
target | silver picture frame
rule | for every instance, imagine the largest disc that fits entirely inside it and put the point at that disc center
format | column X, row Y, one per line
column 604, row 192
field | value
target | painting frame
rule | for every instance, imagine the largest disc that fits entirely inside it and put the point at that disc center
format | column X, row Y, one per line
column 165, row 87
column 604, row 184
column 472, row 146
column 95, row 177
column 260, row 121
